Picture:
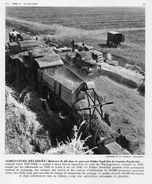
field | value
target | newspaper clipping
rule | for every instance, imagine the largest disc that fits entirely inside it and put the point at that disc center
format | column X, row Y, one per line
column 74, row 107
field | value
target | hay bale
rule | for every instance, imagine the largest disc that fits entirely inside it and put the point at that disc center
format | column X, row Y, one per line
column 36, row 51
column 27, row 37
column 27, row 44
column 121, row 75
column 49, row 60
column 112, row 62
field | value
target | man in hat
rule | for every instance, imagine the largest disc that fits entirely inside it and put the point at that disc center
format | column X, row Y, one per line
column 13, row 35
column 73, row 45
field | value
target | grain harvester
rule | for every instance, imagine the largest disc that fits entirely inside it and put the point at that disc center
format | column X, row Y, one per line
column 42, row 68
column 67, row 87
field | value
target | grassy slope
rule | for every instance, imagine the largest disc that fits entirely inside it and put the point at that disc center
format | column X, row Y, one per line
column 21, row 126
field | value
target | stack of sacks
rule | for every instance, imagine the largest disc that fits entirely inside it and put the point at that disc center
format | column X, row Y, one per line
column 96, row 55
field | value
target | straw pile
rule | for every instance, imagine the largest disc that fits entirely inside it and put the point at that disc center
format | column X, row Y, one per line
column 64, row 77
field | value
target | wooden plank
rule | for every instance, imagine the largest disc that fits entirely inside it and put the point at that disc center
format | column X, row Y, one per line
column 68, row 96
column 48, row 79
column 47, row 64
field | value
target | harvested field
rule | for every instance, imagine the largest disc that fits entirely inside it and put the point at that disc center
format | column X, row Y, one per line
column 80, row 17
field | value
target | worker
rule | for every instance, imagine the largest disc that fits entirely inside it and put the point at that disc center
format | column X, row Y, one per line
column 73, row 45
column 13, row 36
column 107, row 119
column 84, row 47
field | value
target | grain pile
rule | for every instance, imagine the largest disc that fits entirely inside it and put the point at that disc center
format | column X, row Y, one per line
column 65, row 77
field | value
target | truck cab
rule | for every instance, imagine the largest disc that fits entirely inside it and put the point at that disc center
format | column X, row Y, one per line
column 84, row 62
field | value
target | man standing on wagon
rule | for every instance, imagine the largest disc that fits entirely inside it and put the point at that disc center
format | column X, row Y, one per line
column 73, row 45
column 13, row 35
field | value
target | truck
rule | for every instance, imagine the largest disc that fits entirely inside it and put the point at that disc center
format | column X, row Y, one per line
column 83, row 62
column 114, row 39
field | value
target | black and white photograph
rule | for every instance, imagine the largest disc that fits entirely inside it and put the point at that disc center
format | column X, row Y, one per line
column 75, row 80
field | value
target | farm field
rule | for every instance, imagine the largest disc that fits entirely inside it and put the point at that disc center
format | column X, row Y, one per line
column 90, row 25
column 84, row 18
